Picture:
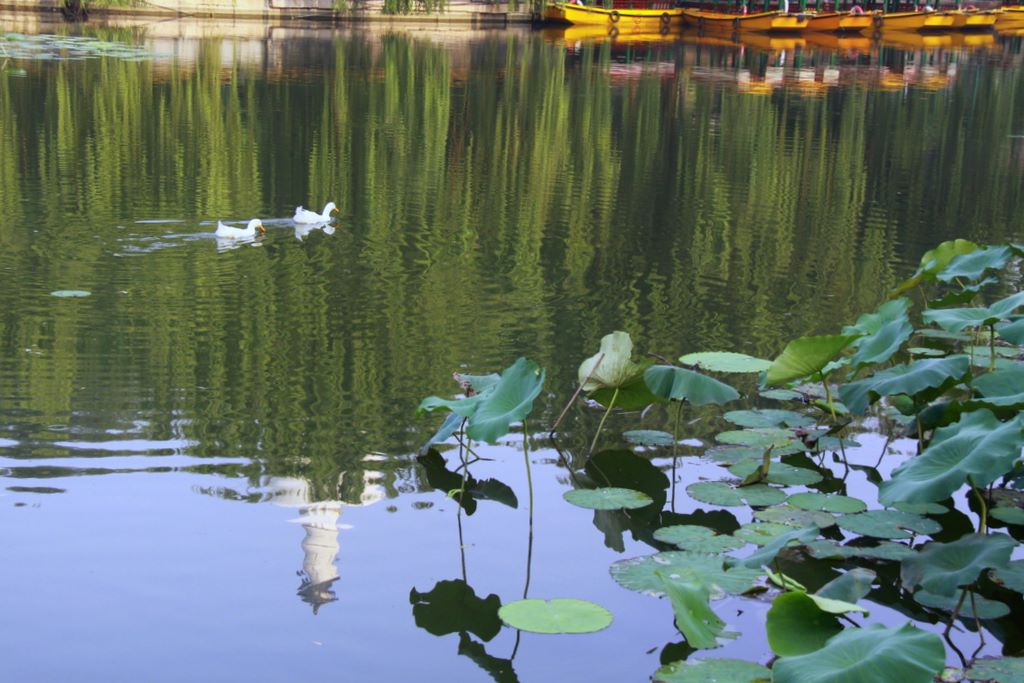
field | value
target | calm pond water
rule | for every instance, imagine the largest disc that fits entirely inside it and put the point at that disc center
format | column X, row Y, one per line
column 207, row 465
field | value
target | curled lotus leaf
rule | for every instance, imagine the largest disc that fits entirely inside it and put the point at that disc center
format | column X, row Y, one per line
column 973, row 265
column 612, row 367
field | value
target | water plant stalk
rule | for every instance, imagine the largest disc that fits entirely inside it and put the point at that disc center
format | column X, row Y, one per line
column 600, row 426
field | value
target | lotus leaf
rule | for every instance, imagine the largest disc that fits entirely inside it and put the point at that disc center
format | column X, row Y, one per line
column 883, row 551
column 730, row 455
column 927, row 373
column 761, row 533
column 712, row 671
column 1001, row 670
column 726, row 494
column 1011, row 576
column 848, row 587
column 944, row 568
column 767, row 417
column 921, row 508
column 979, row 447
column 867, row 655
column 1009, row 515
column 678, row 384
column 561, row 615
column 827, row 502
column 973, row 265
column 765, row 555
column 767, row 437
column 608, row 498
column 611, row 367
column 959, row 319
column 697, row 538
column 796, row 626
column 782, row 395
column 884, row 332
column 778, row 473
column 510, row 400
column 807, row 356
column 694, row 617
column 725, row 361
column 1003, row 388
column 888, row 524
column 973, row 606
column 787, row 514
column 646, row 574
column 648, row 437
column 1012, row 332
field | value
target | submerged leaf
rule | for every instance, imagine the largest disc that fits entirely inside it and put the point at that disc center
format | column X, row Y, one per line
column 561, row 615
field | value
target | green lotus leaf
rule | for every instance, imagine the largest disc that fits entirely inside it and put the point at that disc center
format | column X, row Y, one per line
column 648, row 437
column 973, row 265
column 888, row 524
column 726, row 494
column 979, row 447
column 710, row 670
column 848, row 587
column 1012, row 332
column 611, row 367
column 1003, row 388
column 925, row 352
column 934, row 262
column 961, row 296
column 70, row 293
column 1013, row 516
column 782, row 395
column 778, row 473
column 561, row 615
column 959, row 319
column 730, row 455
column 974, row 606
column 884, row 332
column 510, row 400
column 807, row 356
column 725, row 361
column 1001, row 670
column 761, row 533
column 697, row 538
column 944, row 568
column 694, row 617
column 867, row 655
column 921, row 508
column 767, row 417
column 608, row 498
column 765, row 555
column 769, row 437
column 927, row 373
column 633, row 395
column 1010, row 576
column 796, row 626
column 646, row 574
column 824, row 550
column 787, row 514
column 678, row 384
column 827, row 502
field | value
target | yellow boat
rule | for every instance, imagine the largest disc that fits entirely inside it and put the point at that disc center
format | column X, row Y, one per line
column 623, row 19
column 839, row 21
column 973, row 20
column 1010, row 16
column 763, row 21
column 914, row 21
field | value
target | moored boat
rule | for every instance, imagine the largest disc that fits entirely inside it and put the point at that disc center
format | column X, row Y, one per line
column 1010, row 16
column 839, row 21
column 762, row 21
column 623, row 19
column 928, row 20
column 973, row 20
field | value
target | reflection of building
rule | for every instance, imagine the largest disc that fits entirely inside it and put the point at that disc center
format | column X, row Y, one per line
column 320, row 520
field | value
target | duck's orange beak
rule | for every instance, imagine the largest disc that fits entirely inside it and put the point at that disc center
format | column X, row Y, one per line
column 261, row 230
column 334, row 210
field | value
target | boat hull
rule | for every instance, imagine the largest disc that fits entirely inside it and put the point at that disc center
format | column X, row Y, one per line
column 914, row 21
column 973, row 20
column 840, row 21
column 1010, row 17
column 623, row 19
column 778, row 22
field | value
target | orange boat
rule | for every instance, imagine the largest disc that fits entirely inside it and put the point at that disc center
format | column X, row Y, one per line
column 1010, row 16
column 973, row 20
column 839, row 21
column 762, row 21
column 914, row 21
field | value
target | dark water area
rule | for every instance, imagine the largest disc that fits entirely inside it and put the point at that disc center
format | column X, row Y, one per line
column 501, row 194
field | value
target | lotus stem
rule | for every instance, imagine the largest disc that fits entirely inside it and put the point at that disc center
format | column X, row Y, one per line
column 956, row 611
column 561, row 416
column 992, row 347
column 983, row 522
column 600, row 426
column 529, row 488
column 462, row 493
column 675, row 449
column 828, row 396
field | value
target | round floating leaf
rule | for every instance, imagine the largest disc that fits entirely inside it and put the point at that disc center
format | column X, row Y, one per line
column 782, row 395
column 762, row 438
column 825, row 550
column 943, row 568
column 827, row 502
column 70, row 293
column 730, row 455
column 648, row 437
column 711, row 670
column 796, row 626
column 807, row 356
column 972, row 606
column 761, row 533
column 1002, row 670
column 647, row 574
column 726, row 494
column 561, row 615
column 787, row 514
column 867, row 655
column 697, row 538
column 925, row 352
column 725, row 361
column 678, row 384
column 888, row 524
column 608, row 498
column 1011, row 576
column 612, row 366
column 778, row 473
column 921, row 508
column 1009, row 515
column 767, row 417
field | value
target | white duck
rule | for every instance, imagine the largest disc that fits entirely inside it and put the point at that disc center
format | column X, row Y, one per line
column 306, row 216
column 227, row 232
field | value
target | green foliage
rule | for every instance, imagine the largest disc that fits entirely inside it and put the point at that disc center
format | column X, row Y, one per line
column 694, row 617
column 561, row 615
column 888, row 524
column 807, row 357
column 612, row 367
column 945, row 568
column 998, row 670
column 911, row 379
column 725, row 361
column 607, row 498
column 679, row 384
column 796, row 626
column 704, row 670
column 697, row 538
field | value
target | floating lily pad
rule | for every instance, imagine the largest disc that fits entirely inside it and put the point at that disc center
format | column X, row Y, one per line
column 1001, row 670
column 796, row 626
column 762, row 438
column 782, row 395
column 710, row 670
column 886, row 550
column 561, row 615
column 725, row 361
column 778, row 473
column 648, row 437
column 726, row 494
column 697, row 538
column 761, row 533
column 827, row 502
column 921, row 508
column 972, row 606
column 647, row 574
column 1009, row 515
column 767, row 417
column 787, row 514
column 608, row 498
column 70, row 293
column 888, row 524
column 730, row 455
